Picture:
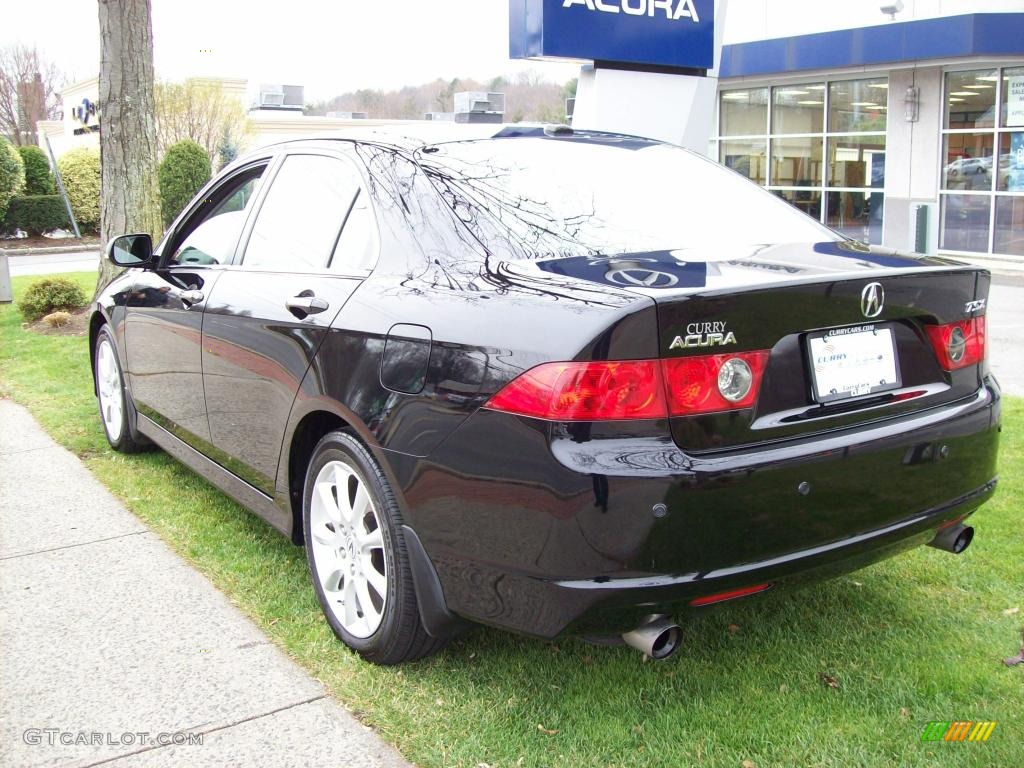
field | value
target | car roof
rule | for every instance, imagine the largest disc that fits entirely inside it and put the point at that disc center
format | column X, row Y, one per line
column 411, row 136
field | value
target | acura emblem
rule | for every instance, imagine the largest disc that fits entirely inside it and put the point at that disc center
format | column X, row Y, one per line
column 634, row 273
column 872, row 300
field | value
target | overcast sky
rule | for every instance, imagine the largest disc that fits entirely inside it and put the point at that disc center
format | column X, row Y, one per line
column 330, row 46
column 333, row 46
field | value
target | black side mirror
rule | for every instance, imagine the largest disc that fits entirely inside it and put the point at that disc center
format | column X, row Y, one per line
column 131, row 250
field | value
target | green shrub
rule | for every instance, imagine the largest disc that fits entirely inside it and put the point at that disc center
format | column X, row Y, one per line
column 12, row 175
column 80, row 171
column 48, row 295
column 38, row 179
column 183, row 172
column 36, row 214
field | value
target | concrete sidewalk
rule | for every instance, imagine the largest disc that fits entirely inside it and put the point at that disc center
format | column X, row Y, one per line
column 105, row 633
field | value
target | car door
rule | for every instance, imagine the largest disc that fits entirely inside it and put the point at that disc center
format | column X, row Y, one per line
column 306, row 250
column 164, row 311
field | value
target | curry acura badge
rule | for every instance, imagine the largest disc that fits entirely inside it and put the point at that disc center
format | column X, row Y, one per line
column 872, row 300
column 712, row 334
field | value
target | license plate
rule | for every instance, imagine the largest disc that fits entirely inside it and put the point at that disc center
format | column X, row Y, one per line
column 853, row 362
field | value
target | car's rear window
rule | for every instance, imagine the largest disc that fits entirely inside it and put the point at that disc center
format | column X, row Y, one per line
column 532, row 198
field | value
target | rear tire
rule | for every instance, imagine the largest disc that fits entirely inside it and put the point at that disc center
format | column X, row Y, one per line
column 357, row 555
column 117, row 413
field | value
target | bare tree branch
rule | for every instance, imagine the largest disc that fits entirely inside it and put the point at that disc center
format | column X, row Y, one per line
column 28, row 92
column 199, row 110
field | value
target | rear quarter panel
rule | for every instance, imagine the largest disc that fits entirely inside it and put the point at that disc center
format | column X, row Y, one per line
column 488, row 322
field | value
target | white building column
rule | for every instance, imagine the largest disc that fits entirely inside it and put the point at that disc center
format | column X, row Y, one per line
column 676, row 108
column 912, row 154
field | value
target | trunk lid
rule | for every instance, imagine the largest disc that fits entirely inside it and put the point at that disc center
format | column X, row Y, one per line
column 776, row 297
column 793, row 302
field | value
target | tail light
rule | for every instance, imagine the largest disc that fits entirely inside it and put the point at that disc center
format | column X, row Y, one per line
column 960, row 344
column 634, row 389
column 586, row 392
column 713, row 383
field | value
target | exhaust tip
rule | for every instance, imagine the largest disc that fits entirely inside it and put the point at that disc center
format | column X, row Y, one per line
column 666, row 643
column 955, row 538
column 963, row 540
column 657, row 638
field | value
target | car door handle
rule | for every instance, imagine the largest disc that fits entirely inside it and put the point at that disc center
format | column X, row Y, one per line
column 191, row 297
column 306, row 304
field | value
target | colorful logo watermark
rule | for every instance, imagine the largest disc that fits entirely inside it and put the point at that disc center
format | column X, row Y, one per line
column 958, row 730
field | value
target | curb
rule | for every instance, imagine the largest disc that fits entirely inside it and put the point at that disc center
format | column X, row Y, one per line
column 50, row 251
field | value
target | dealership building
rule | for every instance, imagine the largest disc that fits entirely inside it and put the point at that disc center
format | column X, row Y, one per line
column 900, row 124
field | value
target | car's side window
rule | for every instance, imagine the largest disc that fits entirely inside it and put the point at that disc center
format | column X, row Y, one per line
column 211, row 236
column 301, row 216
column 356, row 250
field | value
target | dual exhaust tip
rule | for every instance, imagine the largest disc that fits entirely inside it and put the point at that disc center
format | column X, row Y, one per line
column 658, row 637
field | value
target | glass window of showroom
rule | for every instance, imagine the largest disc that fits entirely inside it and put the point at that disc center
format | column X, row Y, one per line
column 982, row 193
column 818, row 145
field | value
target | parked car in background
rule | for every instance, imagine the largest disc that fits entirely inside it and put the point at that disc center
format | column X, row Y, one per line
column 969, row 173
column 547, row 380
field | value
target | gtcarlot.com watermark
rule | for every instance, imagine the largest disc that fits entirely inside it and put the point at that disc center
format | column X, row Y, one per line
column 58, row 736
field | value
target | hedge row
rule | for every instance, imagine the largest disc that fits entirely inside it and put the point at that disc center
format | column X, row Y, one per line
column 36, row 214
column 27, row 185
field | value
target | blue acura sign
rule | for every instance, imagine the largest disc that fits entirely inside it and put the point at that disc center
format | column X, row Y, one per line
column 658, row 33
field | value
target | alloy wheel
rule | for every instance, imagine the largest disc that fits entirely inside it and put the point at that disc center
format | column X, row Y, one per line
column 108, row 382
column 348, row 549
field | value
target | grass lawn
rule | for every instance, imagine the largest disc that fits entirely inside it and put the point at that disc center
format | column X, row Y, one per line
column 914, row 639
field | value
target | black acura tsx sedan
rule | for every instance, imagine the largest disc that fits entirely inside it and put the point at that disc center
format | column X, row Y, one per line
column 552, row 381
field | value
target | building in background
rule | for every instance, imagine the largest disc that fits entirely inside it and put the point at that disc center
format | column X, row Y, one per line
column 865, row 127
column 79, row 124
column 269, row 120
column 274, row 113
column 896, row 123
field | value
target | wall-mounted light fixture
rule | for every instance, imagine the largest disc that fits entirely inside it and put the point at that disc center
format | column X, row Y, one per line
column 912, row 103
column 891, row 9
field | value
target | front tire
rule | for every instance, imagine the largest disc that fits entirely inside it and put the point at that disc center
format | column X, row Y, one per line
column 357, row 556
column 116, row 410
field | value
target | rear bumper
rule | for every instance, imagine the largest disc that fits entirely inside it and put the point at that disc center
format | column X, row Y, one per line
column 545, row 528
column 618, row 601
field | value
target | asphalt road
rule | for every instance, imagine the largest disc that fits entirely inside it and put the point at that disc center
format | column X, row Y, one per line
column 1005, row 329
column 48, row 264
column 1005, row 311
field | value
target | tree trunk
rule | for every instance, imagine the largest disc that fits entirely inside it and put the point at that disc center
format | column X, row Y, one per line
column 129, row 194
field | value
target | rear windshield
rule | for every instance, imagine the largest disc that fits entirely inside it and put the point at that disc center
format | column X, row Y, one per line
column 530, row 198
